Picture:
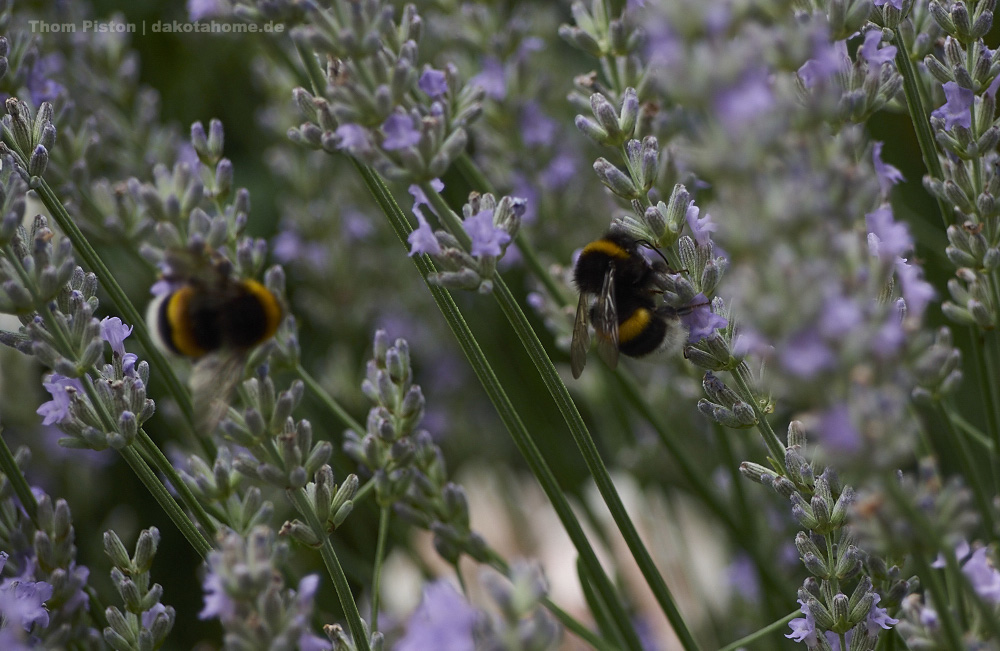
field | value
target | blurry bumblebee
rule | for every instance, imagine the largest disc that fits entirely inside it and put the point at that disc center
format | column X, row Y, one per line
column 618, row 289
column 217, row 320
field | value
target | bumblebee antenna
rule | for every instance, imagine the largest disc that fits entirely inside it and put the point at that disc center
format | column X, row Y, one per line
column 648, row 245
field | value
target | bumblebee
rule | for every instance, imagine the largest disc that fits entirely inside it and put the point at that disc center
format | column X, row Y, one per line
column 625, row 314
column 232, row 315
column 216, row 320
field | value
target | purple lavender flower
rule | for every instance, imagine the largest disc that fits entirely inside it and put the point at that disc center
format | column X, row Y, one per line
column 217, row 602
column 956, row 109
column 887, row 239
column 834, row 640
column 701, row 321
column 198, row 9
column 991, row 90
column 888, row 175
column 352, row 137
column 837, row 432
column 419, row 198
column 22, row 601
column 115, row 332
column 562, row 169
column 399, row 132
column 917, row 292
column 289, row 246
column 356, row 225
column 985, row 578
column 57, row 410
column 870, row 51
column 806, row 354
column 491, row 79
column 663, row 45
column 840, row 316
column 433, row 82
column 803, row 628
column 739, row 104
column 537, row 129
column 828, row 59
column 701, row 228
column 422, row 238
column 742, row 574
column 443, row 621
column 487, row 239
column 40, row 86
column 878, row 617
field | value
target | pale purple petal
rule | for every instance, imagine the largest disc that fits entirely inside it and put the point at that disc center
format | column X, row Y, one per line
column 870, row 49
column 888, row 175
column 487, row 239
column 956, row 109
column 399, row 132
column 433, row 82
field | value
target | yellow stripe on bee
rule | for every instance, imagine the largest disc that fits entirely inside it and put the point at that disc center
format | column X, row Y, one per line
column 633, row 326
column 181, row 333
column 269, row 302
column 607, row 247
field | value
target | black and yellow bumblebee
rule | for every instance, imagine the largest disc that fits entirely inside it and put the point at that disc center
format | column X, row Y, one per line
column 625, row 313
column 216, row 320
column 199, row 318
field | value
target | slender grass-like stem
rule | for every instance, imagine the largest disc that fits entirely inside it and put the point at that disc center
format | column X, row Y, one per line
column 969, row 470
column 505, row 409
column 355, row 625
column 163, row 465
column 945, row 615
column 383, row 534
column 21, row 488
column 771, row 440
column 974, row 434
column 578, row 430
column 919, row 118
column 166, row 502
column 748, row 640
column 328, row 401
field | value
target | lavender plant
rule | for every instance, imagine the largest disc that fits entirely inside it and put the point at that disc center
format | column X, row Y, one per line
column 744, row 142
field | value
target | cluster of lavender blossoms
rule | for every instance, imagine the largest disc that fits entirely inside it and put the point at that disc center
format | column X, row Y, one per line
column 745, row 144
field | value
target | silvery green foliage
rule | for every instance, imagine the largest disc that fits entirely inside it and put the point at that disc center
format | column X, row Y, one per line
column 146, row 622
column 247, row 593
column 45, row 554
column 408, row 467
column 377, row 104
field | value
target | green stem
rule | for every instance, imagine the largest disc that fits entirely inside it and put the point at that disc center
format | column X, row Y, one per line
column 771, row 440
column 504, row 407
column 124, row 306
column 919, row 117
column 8, row 464
column 992, row 363
column 578, row 430
column 354, row 623
column 969, row 470
column 383, row 534
column 335, row 408
column 974, row 434
column 163, row 498
column 163, row 465
column 933, row 583
column 757, row 635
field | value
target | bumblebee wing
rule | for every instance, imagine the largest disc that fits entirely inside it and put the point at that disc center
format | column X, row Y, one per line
column 581, row 336
column 212, row 382
column 606, row 321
